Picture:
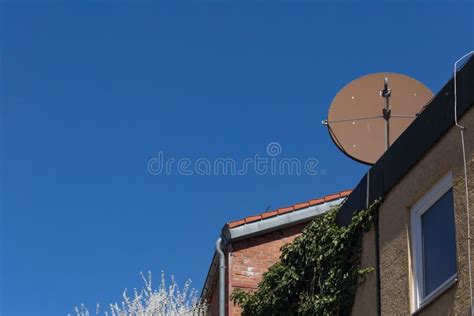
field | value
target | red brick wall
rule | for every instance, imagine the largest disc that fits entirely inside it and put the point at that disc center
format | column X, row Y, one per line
column 250, row 258
column 247, row 260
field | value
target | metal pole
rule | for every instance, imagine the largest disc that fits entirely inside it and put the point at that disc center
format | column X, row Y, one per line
column 221, row 276
column 385, row 93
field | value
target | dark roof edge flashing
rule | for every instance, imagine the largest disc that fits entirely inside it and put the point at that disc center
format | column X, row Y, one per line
column 433, row 122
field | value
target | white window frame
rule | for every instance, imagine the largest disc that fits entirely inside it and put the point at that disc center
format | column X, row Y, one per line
column 424, row 204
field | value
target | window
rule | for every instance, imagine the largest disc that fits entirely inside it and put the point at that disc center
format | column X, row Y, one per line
column 434, row 242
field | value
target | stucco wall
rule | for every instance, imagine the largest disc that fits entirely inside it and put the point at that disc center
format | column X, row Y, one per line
column 394, row 214
column 366, row 297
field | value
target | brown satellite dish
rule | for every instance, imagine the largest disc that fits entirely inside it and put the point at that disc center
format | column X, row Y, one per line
column 371, row 112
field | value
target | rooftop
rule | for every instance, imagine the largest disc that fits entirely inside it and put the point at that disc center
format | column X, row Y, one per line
column 288, row 209
column 270, row 221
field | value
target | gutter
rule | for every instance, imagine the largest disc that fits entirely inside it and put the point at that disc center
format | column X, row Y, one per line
column 277, row 222
column 221, row 255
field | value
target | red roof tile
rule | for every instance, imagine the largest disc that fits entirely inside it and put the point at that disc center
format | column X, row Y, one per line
column 285, row 210
column 345, row 193
column 251, row 219
column 332, row 197
column 236, row 223
column 292, row 208
column 301, row 205
column 316, row 201
column 269, row 214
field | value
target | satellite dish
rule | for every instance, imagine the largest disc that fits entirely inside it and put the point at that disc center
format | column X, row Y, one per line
column 371, row 112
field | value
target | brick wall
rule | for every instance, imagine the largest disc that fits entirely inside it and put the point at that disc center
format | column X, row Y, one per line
column 248, row 259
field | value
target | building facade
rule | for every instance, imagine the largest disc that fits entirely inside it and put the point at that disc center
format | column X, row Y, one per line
column 253, row 244
column 419, row 245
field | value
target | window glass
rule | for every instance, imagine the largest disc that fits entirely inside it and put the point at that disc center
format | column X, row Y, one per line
column 439, row 243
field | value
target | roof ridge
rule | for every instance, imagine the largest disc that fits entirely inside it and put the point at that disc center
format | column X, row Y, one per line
column 288, row 209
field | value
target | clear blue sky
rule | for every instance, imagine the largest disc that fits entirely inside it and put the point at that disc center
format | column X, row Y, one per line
column 89, row 92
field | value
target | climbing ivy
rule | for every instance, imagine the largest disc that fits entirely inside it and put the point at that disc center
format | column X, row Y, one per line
column 318, row 273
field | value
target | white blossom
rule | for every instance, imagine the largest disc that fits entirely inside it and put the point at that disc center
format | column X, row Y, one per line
column 162, row 301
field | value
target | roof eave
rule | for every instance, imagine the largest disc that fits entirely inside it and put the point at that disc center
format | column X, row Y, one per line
column 277, row 222
column 210, row 276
